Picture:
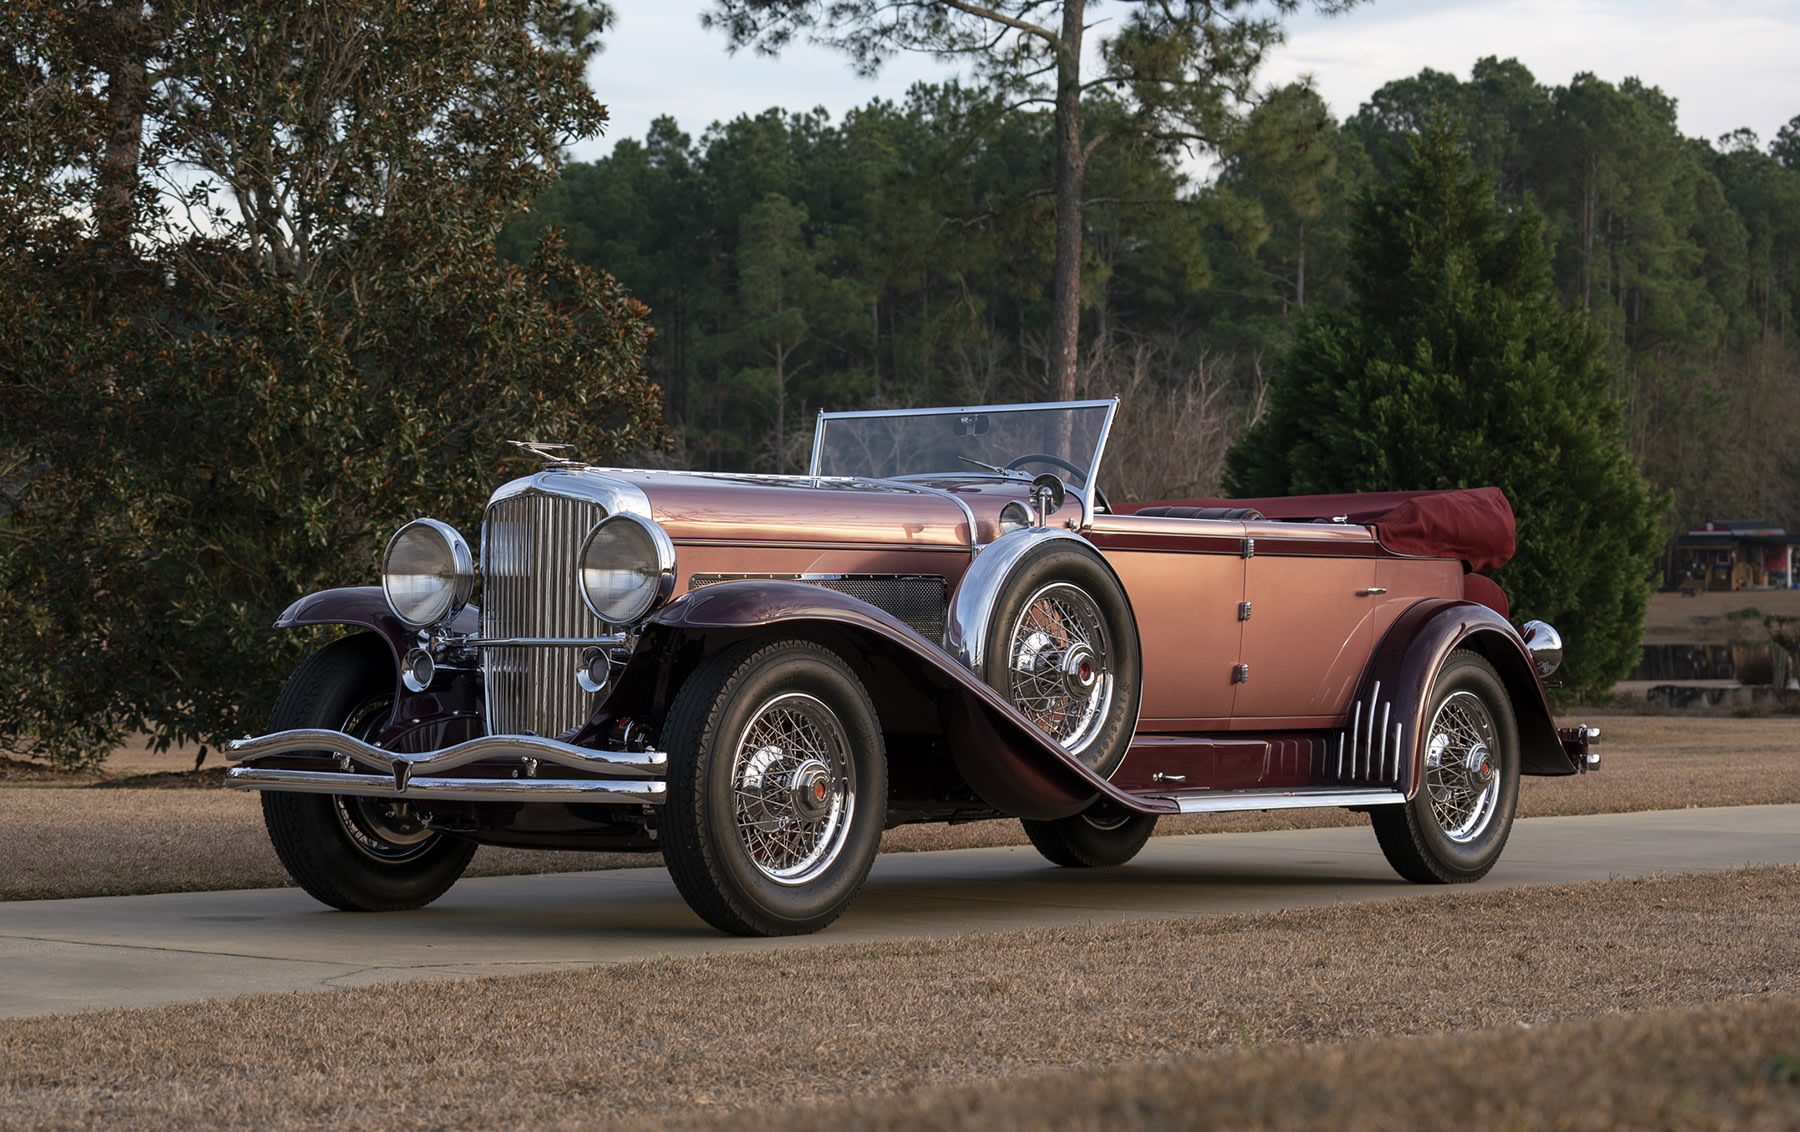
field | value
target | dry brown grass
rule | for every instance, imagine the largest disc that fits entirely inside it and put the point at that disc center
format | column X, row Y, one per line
column 1715, row 618
column 97, row 842
column 1140, row 1025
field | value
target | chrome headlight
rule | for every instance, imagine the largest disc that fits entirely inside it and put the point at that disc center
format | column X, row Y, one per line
column 627, row 568
column 427, row 573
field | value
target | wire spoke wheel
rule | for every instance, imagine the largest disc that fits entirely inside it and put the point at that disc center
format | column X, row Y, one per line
column 1059, row 665
column 1452, row 829
column 794, row 787
column 1460, row 770
column 777, row 787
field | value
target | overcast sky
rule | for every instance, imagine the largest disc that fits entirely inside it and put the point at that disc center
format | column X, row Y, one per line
column 1729, row 63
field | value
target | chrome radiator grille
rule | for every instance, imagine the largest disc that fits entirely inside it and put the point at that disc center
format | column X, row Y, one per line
column 530, row 588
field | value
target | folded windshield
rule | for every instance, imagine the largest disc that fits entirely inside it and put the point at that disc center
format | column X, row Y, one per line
column 1065, row 437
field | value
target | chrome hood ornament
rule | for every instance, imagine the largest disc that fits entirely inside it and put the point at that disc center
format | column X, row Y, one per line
column 545, row 451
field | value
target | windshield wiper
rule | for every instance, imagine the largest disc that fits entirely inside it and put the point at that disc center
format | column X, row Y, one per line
column 990, row 467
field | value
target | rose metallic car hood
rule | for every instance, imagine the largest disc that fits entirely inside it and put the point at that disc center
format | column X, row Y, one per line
column 697, row 507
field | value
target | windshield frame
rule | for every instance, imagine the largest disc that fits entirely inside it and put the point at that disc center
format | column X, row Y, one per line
column 1087, row 491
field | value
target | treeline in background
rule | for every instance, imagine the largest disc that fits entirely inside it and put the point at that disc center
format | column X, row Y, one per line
column 899, row 256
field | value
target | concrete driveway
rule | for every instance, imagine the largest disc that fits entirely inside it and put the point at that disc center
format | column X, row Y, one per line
column 64, row 955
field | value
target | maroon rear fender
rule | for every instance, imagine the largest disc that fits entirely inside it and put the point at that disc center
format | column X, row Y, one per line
column 1011, row 764
column 367, row 608
column 1406, row 665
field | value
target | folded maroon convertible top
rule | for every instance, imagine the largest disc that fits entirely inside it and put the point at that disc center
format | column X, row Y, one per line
column 1473, row 524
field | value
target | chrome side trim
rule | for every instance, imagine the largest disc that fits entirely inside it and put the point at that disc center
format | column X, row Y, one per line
column 1296, row 799
column 643, row 792
column 975, row 546
column 1369, row 750
column 637, row 764
column 965, row 634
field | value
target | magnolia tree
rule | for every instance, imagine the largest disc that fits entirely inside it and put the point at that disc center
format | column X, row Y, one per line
column 251, row 319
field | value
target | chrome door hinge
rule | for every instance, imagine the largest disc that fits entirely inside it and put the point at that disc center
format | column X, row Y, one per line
column 1249, row 548
column 1240, row 674
column 1243, row 611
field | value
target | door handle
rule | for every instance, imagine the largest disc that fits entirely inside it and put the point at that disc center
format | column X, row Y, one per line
column 1372, row 591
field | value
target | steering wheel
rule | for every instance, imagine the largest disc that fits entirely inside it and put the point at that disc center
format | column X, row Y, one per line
column 1045, row 458
column 1100, row 503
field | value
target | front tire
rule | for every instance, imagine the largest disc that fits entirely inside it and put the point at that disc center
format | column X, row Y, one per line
column 1453, row 829
column 777, row 788
column 1101, row 837
column 353, row 853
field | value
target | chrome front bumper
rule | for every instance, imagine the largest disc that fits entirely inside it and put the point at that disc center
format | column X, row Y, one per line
column 420, row 775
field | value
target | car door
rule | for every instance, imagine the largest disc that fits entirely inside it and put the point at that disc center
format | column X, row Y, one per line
column 1310, row 594
column 1185, row 580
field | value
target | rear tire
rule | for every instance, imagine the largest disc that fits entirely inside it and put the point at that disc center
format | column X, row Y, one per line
column 354, row 853
column 777, row 788
column 1100, row 837
column 1453, row 829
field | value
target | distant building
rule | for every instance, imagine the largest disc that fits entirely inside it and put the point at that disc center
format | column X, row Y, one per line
column 1731, row 554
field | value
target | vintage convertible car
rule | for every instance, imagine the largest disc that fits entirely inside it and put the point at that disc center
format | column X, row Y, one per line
column 943, row 621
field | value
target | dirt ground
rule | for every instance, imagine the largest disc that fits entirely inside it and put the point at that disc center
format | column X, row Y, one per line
column 64, row 839
column 1665, row 1002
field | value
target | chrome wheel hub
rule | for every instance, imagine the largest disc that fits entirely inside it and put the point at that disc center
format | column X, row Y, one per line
column 1059, row 658
column 794, row 788
column 1461, row 775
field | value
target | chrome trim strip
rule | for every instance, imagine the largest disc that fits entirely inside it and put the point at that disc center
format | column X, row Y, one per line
column 1093, row 476
column 1369, row 735
column 1298, row 799
column 647, row 793
column 975, row 546
column 640, row 764
column 1386, row 710
column 812, row 468
column 939, row 409
column 965, row 633
column 538, row 642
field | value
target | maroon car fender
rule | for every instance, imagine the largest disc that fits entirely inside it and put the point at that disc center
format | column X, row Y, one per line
column 1006, row 760
column 1406, row 664
column 447, row 712
column 366, row 607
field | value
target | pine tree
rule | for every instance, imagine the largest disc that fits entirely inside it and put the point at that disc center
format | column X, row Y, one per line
column 1454, row 366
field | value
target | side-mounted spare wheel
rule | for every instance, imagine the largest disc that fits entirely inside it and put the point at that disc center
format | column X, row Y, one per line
column 1453, row 829
column 357, row 854
column 777, row 788
column 1063, row 648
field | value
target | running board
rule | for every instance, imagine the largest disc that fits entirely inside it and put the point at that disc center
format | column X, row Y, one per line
column 1298, row 798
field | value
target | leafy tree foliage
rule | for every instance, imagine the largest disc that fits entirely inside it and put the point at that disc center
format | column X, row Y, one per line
column 1177, row 70
column 1454, row 366
column 1680, row 251
column 924, row 258
column 284, row 331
